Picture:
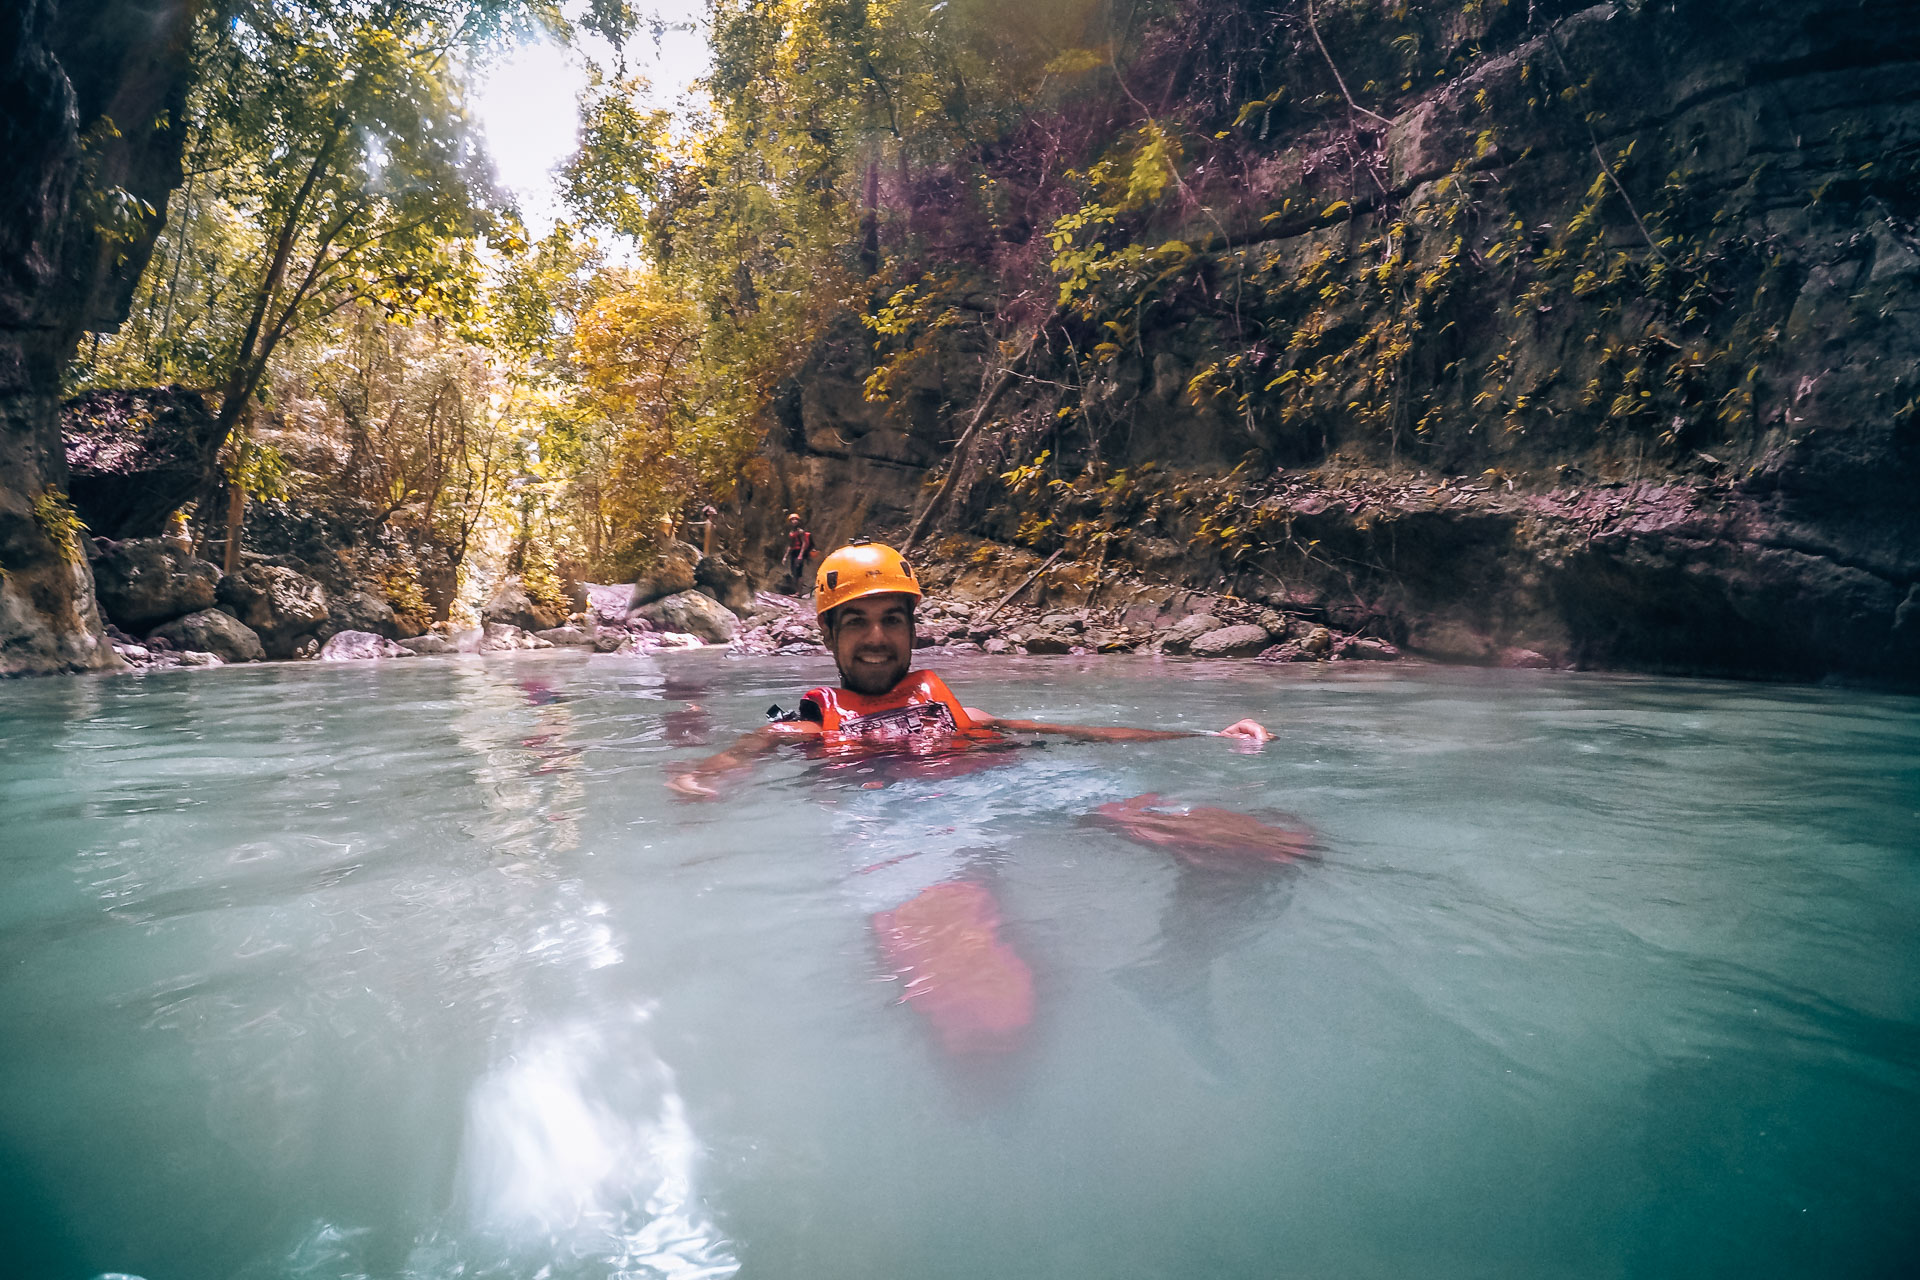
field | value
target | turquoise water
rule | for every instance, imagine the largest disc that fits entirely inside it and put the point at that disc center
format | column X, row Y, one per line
column 415, row 970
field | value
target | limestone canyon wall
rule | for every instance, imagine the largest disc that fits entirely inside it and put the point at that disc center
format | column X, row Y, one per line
column 89, row 90
column 1681, row 433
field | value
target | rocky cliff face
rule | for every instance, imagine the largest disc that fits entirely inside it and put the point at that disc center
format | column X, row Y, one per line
column 852, row 465
column 136, row 456
column 87, row 91
column 1603, row 345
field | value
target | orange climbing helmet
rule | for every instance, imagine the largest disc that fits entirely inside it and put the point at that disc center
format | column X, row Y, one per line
column 861, row 568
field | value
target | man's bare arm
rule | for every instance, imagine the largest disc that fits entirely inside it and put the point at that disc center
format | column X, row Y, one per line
column 1250, row 730
column 700, row 780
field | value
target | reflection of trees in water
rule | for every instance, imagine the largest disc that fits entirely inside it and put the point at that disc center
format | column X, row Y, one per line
column 312, row 919
column 331, row 928
column 578, row 1142
column 531, row 924
column 521, row 732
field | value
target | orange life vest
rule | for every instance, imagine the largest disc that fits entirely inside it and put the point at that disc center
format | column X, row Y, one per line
column 919, row 707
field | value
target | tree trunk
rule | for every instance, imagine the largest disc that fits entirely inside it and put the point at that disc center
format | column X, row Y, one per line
column 236, row 518
column 870, row 224
column 870, row 205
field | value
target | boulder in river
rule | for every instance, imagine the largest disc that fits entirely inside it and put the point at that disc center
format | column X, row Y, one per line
column 144, row 582
column 671, row 573
column 671, row 640
column 565, row 636
column 511, row 604
column 1366, row 649
column 794, row 628
column 352, row 646
column 607, row 604
column 211, row 631
column 1048, row 642
column 504, row 637
column 724, row 583
column 362, row 611
column 428, row 644
column 281, row 605
column 1289, row 651
column 1190, row 628
column 1240, row 641
column 692, row 613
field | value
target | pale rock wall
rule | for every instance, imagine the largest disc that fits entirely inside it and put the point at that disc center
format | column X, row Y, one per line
column 1785, row 544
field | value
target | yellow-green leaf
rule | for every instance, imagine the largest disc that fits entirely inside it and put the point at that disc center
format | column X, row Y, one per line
column 1075, row 62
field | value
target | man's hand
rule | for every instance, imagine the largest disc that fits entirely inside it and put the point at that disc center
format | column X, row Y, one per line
column 1248, row 731
column 689, row 785
column 701, row 780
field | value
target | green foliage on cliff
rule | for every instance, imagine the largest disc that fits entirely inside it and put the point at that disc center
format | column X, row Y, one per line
column 60, row 522
column 1422, row 233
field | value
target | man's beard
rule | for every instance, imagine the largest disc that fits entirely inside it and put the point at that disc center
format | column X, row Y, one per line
column 873, row 681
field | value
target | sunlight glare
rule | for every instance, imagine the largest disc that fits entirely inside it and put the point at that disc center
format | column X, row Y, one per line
column 528, row 109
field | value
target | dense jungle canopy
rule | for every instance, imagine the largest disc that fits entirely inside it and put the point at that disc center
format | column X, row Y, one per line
column 338, row 270
column 375, row 325
column 1120, row 281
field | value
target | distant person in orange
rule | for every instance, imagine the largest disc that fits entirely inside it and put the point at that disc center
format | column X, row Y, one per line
column 799, row 551
column 944, row 942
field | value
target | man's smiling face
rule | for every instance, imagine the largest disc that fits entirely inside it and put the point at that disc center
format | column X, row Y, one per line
column 872, row 641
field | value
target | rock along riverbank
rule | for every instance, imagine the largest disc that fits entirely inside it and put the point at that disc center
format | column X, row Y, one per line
column 1214, row 627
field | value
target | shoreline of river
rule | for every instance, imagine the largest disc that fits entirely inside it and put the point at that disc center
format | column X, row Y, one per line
column 952, row 622
column 1013, row 629
column 778, row 624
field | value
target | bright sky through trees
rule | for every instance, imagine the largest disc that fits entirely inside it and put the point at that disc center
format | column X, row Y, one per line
column 527, row 104
column 526, row 107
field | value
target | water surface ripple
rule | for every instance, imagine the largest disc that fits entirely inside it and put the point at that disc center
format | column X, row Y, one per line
column 414, row 970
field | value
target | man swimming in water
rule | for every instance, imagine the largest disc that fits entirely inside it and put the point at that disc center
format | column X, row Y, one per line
column 865, row 595
column 941, row 936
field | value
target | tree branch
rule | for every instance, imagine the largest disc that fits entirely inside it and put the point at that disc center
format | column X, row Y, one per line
column 1338, row 79
column 1553, row 42
column 240, row 380
column 961, row 447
